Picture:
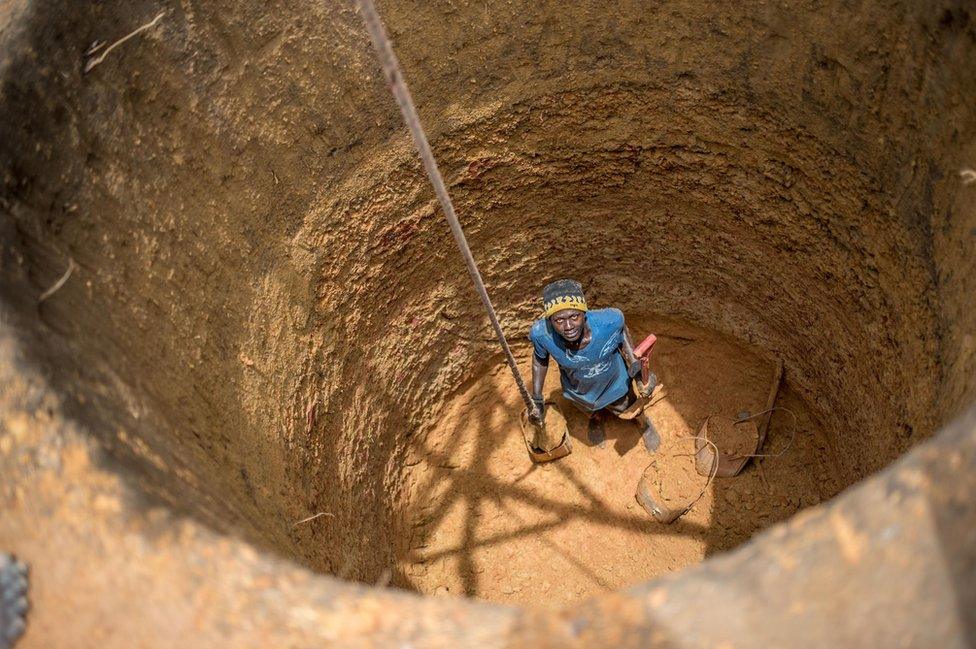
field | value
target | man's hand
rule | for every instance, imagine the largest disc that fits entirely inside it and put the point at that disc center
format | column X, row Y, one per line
column 537, row 415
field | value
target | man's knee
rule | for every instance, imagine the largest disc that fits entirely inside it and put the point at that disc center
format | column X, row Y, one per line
column 619, row 406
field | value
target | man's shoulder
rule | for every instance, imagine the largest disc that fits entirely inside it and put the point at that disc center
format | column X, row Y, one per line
column 539, row 331
column 609, row 317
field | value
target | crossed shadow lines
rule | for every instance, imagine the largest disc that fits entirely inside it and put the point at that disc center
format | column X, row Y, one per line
column 469, row 477
column 458, row 474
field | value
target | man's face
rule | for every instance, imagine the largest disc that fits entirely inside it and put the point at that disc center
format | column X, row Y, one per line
column 568, row 323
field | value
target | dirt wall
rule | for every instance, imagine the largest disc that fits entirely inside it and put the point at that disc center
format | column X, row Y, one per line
column 266, row 308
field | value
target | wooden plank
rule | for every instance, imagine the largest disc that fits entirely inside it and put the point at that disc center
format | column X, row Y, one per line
column 764, row 422
column 770, row 403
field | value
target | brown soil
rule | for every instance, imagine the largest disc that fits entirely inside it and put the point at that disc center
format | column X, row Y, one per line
column 672, row 475
column 267, row 318
column 733, row 438
column 483, row 521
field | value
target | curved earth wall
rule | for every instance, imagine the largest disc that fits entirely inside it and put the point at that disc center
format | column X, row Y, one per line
column 265, row 307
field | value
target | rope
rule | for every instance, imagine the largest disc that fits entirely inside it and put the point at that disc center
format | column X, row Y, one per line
column 391, row 68
column 711, row 475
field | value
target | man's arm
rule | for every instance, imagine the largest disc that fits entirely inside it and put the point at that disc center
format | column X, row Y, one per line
column 634, row 364
column 627, row 351
column 539, row 371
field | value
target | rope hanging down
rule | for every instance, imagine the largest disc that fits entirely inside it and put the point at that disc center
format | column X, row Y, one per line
column 391, row 68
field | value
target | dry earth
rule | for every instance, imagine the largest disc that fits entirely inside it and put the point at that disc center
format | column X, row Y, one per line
column 484, row 522
column 266, row 318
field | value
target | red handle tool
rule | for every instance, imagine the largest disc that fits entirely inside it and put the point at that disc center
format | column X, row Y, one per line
column 643, row 352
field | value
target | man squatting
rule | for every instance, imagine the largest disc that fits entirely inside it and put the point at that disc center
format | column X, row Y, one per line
column 595, row 355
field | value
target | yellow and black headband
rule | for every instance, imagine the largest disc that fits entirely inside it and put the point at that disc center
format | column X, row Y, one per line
column 562, row 294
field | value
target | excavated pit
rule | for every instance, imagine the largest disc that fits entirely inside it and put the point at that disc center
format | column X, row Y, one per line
column 268, row 319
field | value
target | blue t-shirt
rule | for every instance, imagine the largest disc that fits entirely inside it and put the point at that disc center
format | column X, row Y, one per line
column 595, row 376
